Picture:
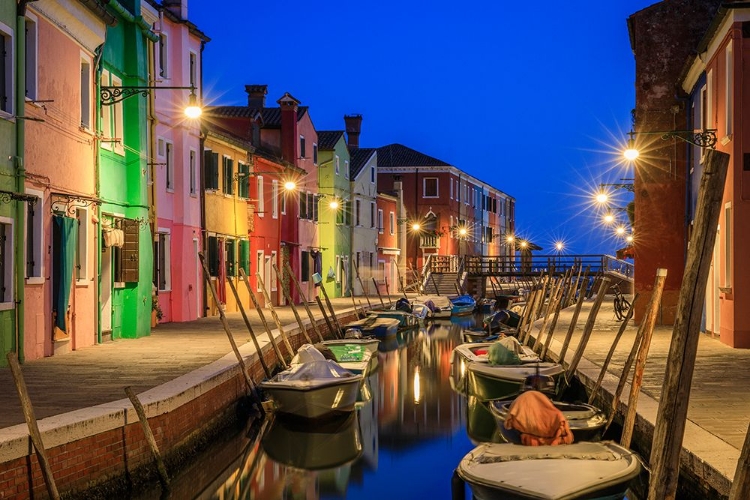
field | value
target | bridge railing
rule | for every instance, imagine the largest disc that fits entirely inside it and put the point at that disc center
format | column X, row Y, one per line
column 476, row 265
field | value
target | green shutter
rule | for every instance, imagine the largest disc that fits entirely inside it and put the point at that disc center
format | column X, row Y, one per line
column 213, row 256
column 245, row 256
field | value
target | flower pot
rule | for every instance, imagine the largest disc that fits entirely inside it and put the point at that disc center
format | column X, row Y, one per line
column 154, row 319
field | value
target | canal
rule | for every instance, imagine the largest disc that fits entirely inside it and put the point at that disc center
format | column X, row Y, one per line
column 406, row 437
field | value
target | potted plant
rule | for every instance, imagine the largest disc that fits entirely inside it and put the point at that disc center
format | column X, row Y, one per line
column 156, row 312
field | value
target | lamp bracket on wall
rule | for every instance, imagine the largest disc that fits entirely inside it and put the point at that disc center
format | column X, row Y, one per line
column 113, row 95
column 9, row 196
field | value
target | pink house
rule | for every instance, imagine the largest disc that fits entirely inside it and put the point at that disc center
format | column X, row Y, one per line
column 60, row 294
column 174, row 168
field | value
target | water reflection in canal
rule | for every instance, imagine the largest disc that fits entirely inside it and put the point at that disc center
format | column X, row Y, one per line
column 404, row 440
column 406, row 437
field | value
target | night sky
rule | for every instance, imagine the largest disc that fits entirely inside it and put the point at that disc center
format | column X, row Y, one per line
column 533, row 98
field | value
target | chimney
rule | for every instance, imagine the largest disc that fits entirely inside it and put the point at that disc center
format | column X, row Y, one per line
column 353, row 128
column 256, row 96
column 176, row 7
column 289, row 135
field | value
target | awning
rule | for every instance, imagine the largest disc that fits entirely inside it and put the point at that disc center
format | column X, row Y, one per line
column 389, row 251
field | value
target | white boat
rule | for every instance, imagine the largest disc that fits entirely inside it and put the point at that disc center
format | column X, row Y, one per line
column 587, row 470
column 477, row 351
column 313, row 386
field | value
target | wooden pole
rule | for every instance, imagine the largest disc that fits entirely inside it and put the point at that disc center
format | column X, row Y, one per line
column 741, row 484
column 291, row 304
column 556, row 287
column 388, row 292
column 359, row 278
column 276, row 319
column 379, row 296
column 339, row 333
column 573, row 322
column 612, row 350
column 258, row 349
column 640, row 362
column 624, row 377
column 590, row 322
column 331, row 328
column 225, row 324
column 262, row 317
column 401, row 283
column 150, row 439
column 36, row 436
column 673, row 405
column 288, row 270
column 523, row 326
column 551, row 332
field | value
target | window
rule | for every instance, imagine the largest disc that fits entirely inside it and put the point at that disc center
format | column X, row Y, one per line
column 728, row 101
column 336, row 163
column 169, row 153
column 162, row 274
column 211, row 169
column 430, row 187
column 274, row 279
column 372, row 174
column 82, row 255
column 229, row 258
column 261, row 198
column 357, row 212
column 305, row 265
column 6, row 263
column 392, row 222
column 346, row 169
column 85, row 92
column 34, row 238
column 315, row 200
column 340, row 214
column 302, row 149
column 728, row 244
column 259, row 258
column 302, row 205
column 315, row 153
column 710, row 100
column 243, row 184
column 372, row 214
column 6, row 69
column 338, row 269
column 380, row 221
column 163, row 55
column 228, row 175
column 112, row 125
column 348, row 213
column 213, row 256
column 450, row 183
column 193, row 68
column 283, row 196
column 193, row 172
column 31, row 57
column 275, row 199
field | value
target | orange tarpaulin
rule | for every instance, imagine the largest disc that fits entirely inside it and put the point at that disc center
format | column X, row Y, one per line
column 539, row 422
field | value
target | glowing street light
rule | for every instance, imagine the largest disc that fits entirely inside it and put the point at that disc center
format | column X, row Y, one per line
column 290, row 185
column 462, row 232
column 608, row 218
column 620, row 230
column 334, row 205
column 629, row 238
column 559, row 246
column 602, row 198
column 415, row 226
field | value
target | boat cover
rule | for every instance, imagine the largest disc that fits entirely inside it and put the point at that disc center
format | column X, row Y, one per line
column 306, row 354
column 314, row 370
column 539, row 422
column 504, row 352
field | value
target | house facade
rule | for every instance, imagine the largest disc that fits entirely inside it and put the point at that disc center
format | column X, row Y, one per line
column 174, row 168
column 334, row 211
column 388, row 251
column 716, row 84
column 61, row 244
column 365, row 228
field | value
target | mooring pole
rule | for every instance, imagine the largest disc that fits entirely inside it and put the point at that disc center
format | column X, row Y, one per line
column 291, row 304
column 288, row 270
column 276, row 319
column 150, row 439
column 590, row 322
column 258, row 349
column 263, row 320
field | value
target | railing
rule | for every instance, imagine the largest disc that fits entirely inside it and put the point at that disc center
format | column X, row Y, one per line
column 474, row 265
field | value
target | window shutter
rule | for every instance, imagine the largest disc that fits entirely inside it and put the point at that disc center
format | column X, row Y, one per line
column 213, row 256
column 130, row 254
column 245, row 256
column 303, row 205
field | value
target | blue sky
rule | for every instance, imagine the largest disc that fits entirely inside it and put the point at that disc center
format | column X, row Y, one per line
column 530, row 97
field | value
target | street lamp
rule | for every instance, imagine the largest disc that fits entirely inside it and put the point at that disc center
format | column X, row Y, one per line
column 702, row 138
column 112, row 95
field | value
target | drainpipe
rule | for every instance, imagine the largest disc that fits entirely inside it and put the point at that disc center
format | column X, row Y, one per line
column 97, row 70
column 20, row 226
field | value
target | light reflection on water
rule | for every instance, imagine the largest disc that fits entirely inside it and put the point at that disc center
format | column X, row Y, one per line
column 405, row 439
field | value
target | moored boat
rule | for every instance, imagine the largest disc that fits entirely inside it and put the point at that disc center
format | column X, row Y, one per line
column 586, row 470
column 586, row 422
column 406, row 320
column 313, row 386
column 489, row 382
column 503, row 320
column 381, row 328
column 355, row 355
column 462, row 305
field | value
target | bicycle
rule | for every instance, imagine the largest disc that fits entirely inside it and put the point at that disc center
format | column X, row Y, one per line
column 622, row 306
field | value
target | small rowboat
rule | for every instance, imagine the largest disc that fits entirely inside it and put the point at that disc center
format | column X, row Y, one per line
column 462, row 305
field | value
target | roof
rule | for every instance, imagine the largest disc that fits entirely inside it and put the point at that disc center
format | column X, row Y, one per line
column 359, row 158
column 327, row 139
column 271, row 116
column 397, row 155
column 227, row 136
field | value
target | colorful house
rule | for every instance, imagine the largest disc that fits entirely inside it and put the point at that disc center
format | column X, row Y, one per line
column 126, row 256
column 388, row 250
column 226, row 169
column 174, row 178
column 60, row 264
column 365, row 224
column 334, row 211
column 716, row 82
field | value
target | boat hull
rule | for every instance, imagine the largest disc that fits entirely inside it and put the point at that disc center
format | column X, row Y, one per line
column 566, row 472
column 487, row 382
column 314, row 398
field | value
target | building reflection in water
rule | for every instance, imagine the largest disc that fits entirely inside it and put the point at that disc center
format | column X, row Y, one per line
column 407, row 401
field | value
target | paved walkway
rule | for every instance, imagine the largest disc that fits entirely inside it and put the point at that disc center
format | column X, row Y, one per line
column 719, row 404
